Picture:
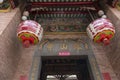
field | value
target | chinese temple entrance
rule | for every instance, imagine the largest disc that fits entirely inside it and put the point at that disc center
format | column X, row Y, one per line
column 68, row 59
column 65, row 68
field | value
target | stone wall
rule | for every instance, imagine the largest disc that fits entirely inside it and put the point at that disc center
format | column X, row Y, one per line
column 25, row 63
column 113, row 50
column 9, row 47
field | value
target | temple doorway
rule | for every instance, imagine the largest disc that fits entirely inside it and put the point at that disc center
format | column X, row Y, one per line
column 65, row 68
column 68, row 59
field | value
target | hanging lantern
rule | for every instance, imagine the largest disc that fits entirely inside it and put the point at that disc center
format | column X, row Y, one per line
column 101, row 30
column 29, row 33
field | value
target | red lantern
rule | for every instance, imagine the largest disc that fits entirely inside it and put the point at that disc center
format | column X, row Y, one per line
column 29, row 33
column 101, row 30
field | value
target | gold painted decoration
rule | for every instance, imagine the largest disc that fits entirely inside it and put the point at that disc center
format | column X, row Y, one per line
column 5, row 6
column 42, row 44
column 77, row 46
column 50, row 46
column 64, row 45
column 86, row 46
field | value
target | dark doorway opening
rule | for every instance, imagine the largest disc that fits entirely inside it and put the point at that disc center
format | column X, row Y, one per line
column 65, row 68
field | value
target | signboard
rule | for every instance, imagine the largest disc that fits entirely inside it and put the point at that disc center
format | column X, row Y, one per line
column 64, row 53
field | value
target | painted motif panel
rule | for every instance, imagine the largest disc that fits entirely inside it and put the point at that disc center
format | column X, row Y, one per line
column 60, row 25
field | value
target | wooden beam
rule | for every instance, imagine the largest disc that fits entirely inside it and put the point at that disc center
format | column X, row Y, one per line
column 60, row 12
column 60, row 3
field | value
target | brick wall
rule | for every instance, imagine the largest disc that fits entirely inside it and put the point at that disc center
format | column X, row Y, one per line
column 9, row 47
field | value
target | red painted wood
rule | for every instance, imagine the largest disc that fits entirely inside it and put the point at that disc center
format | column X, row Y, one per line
column 60, row 3
column 106, row 76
